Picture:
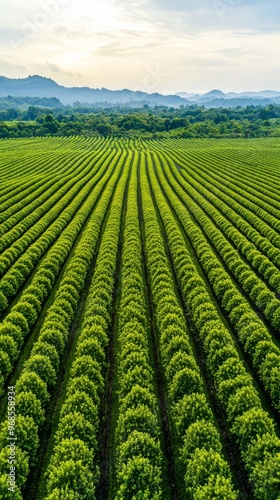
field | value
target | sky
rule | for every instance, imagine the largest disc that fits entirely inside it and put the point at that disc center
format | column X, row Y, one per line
column 164, row 46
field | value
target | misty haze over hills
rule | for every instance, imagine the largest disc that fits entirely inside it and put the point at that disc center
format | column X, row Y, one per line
column 41, row 87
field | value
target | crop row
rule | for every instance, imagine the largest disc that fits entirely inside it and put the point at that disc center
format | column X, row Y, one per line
column 14, row 226
column 11, row 176
column 39, row 375
column 256, row 185
column 263, row 265
column 266, row 224
column 57, row 219
column 29, row 198
column 19, row 210
column 24, row 314
column 76, row 438
column 252, row 194
column 259, row 293
column 265, row 355
column 247, row 422
column 138, row 456
column 197, row 438
column 17, row 225
column 259, row 166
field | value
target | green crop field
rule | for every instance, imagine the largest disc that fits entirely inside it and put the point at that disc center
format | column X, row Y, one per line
column 140, row 319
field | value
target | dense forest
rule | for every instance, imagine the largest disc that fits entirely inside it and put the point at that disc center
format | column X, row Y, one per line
column 147, row 122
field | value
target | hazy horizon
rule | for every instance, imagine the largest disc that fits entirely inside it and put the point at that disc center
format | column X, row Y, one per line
column 125, row 88
column 148, row 45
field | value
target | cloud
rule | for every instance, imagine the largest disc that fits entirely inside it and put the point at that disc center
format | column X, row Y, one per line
column 193, row 46
column 54, row 68
column 14, row 69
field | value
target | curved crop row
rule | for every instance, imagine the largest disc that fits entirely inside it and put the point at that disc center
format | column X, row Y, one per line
column 256, row 339
column 197, row 438
column 264, row 299
column 36, row 197
column 242, row 225
column 20, row 270
column 250, row 212
column 39, row 374
column 78, row 426
column 23, row 315
column 248, row 423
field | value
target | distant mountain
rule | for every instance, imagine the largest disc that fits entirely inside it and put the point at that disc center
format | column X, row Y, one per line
column 262, row 93
column 230, row 95
column 38, row 86
column 187, row 95
column 213, row 94
column 219, row 99
column 237, row 102
column 44, row 88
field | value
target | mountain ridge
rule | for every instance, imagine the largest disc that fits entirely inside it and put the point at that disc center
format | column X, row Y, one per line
column 44, row 87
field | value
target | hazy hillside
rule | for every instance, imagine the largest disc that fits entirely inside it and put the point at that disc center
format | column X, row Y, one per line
column 37, row 86
column 40, row 87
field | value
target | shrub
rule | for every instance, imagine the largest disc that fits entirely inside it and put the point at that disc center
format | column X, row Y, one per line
column 140, row 444
column 74, row 425
column 31, row 382
column 202, row 435
column 190, row 409
column 139, row 480
column 202, row 467
column 41, row 365
column 249, row 426
column 28, row 405
column 185, row 382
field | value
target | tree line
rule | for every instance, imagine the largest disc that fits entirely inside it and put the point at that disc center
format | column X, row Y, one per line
column 148, row 122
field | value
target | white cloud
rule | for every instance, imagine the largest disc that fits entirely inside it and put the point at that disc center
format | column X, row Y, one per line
column 153, row 45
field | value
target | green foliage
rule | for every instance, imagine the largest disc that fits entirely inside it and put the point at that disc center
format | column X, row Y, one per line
column 73, row 475
column 41, row 365
column 28, row 405
column 3, row 302
column 266, row 478
column 252, row 424
column 186, row 381
column 9, row 346
column 140, row 418
column 205, row 466
column 14, row 331
column 47, row 351
column 74, row 425
column 263, row 446
column 27, row 310
column 22, row 467
column 242, row 400
column 68, row 449
column 27, row 436
column 32, row 382
column 200, row 435
column 19, row 320
column 139, row 480
column 140, row 444
column 138, row 396
column 50, row 227
column 191, row 409
column 80, row 402
column 217, row 488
